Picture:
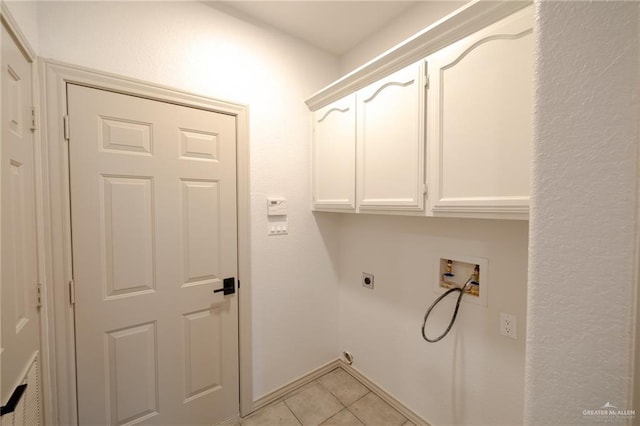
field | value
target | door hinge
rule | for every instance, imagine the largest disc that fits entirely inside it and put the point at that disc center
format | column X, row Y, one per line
column 425, row 190
column 72, row 292
column 39, row 295
column 33, row 119
column 426, row 74
column 65, row 123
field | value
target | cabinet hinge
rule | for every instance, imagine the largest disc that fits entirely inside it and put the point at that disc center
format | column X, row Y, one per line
column 65, row 123
column 425, row 190
column 426, row 81
column 39, row 295
column 33, row 119
column 72, row 292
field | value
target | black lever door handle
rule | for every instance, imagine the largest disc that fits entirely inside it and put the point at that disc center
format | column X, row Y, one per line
column 228, row 286
column 14, row 399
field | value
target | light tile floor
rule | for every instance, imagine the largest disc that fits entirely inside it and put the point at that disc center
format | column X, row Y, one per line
column 334, row 399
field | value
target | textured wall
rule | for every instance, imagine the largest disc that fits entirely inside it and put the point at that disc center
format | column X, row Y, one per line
column 583, row 215
column 194, row 47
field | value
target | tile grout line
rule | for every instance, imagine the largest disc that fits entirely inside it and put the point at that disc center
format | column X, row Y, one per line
column 329, row 390
column 316, row 381
column 336, row 397
column 363, row 385
column 355, row 414
column 291, row 411
column 354, row 402
column 388, row 399
column 284, row 398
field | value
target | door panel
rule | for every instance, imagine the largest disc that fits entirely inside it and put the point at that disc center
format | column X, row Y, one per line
column 133, row 367
column 203, row 372
column 200, row 230
column 128, row 239
column 20, row 315
column 153, row 205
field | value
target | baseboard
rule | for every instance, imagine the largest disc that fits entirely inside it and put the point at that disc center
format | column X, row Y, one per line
column 384, row 395
column 295, row 384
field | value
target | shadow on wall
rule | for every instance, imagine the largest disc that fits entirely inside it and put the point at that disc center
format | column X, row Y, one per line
column 329, row 226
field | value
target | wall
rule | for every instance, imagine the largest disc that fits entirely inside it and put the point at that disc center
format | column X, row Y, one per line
column 584, row 214
column 472, row 376
column 194, row 47
column 411, row 21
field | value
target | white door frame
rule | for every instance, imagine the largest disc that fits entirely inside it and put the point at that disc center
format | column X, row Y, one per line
column 58, row 334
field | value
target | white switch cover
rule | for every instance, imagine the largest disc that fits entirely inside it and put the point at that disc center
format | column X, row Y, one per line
column 278, row 227
column 508, row 326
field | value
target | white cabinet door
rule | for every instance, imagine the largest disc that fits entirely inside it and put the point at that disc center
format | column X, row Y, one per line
column 480, row 113
column 334, row 155
column 390, row 142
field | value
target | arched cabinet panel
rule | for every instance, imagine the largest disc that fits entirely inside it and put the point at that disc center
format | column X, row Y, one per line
column 480, row 118
column 334, row 156
column 390, row 142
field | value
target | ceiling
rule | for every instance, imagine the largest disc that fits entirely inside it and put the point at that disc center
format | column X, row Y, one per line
column 334, row 26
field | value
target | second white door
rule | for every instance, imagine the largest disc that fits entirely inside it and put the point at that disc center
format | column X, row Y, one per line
column 153, row 205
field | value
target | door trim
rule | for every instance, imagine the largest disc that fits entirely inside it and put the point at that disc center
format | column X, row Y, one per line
column 54, row 77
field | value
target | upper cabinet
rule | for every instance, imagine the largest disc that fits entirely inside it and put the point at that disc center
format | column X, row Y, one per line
column 390, row 142
column 449, row 135
column 334, row 156
column 480, row 121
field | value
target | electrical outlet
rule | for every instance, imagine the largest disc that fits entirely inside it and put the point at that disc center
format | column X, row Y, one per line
column 367, row 280
column 508, row 325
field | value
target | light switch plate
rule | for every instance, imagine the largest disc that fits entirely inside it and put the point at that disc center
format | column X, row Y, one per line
column 278, row 227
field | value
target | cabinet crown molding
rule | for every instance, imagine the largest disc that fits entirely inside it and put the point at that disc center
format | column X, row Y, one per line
column 468, row 19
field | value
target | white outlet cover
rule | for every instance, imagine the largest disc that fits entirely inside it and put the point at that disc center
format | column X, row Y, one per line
column 508, row 325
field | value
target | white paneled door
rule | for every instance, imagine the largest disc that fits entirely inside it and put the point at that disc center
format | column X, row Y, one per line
column 153, row 206
column 20, row 317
